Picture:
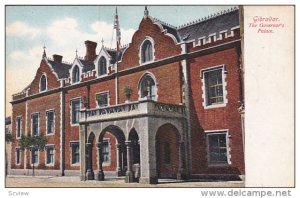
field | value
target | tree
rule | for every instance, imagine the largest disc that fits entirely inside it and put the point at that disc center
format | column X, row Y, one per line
column 32, row 143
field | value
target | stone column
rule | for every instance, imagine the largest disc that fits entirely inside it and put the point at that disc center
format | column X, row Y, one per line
column 82, row 140
column 119, row 159
column 89, row 172
column 100, row 174
column 181, row 171
column 129, row 174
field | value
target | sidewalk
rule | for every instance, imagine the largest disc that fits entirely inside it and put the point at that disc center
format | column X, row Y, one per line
column 60, row 182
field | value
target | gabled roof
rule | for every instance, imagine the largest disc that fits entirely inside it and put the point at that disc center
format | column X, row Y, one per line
column 61, row 69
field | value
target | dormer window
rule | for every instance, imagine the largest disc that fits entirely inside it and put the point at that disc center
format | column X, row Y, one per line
column 75, row 75
column 43, row 83
column 147, row 88
column 102, row 66
column 147, row 51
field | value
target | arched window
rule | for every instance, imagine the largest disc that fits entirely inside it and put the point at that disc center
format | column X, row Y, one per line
column 148, row 87
column 75, row 74
column 147, row 51
column 102, row 66
column 43, row 83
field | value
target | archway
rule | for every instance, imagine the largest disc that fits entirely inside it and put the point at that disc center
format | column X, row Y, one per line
column 135, row 148
column 168, row 151
column 111, row 152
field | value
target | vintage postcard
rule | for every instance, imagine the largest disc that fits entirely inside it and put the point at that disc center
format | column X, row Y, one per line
column 148, row 96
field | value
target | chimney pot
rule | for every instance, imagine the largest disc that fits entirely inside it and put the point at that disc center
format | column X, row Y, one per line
column 90, row 50
column 57, row 58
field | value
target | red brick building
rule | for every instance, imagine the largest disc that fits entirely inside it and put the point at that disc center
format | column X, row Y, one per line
column 167, row 105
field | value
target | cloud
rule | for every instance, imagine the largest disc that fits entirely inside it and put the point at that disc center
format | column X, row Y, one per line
column 19, row 28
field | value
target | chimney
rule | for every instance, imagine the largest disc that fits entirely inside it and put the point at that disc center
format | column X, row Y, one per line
column 57, row 58
column 90, row 50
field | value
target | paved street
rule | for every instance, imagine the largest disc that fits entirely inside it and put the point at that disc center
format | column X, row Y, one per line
column 28, row 181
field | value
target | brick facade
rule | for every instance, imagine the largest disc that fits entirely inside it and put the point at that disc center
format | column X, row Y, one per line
column 169, row 73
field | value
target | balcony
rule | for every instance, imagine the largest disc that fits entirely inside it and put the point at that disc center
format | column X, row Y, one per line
column 131, row 110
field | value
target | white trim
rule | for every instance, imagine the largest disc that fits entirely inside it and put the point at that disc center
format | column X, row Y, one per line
column 18, row 137
column 139, row 85
column 41, row 91
column 108, row 98
column 19, row 149
column 71, row 156
column 71, row 115
column 38, row 154
column 224, row 85
column 38, row 132
column 80, row 67
column 47, row 111
column 147, row 38
column 46, row 147
column 228, row 149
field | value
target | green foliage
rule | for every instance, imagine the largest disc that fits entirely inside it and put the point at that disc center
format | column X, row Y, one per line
column 9, row 137
column 127, row 90
column 27, row 142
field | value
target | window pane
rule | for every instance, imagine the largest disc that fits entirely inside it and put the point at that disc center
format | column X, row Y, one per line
column 75, row 111
column 35, row 121
column 217, row 148
column 102, row 99
column 18, row 127
column 75, row 153
column 102, row 66
column 50, row 122
column 105, row 151
column 214, row 86
column 50, row 155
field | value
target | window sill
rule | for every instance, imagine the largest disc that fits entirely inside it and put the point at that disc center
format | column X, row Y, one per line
column 50, row 134
column 224, row 165
column 52, row 164
column 76, row 164
column 73, row 125
column 106, row 164
column 215, row 106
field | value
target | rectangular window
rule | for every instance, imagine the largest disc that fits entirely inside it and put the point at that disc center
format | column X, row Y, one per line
column 49, row 154
column 102, row 99
column 35, row 124
column 75, row 110
column 50, row 122
column 217, row 148
column 105, row 151
column 214, row 87
column 167, row 158
column 19, row 119
column 34, row 156
column 75, row 152
column 18, row 156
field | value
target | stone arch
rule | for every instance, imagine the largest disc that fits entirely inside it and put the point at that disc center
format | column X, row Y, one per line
column 153, row 93
column 168, row 154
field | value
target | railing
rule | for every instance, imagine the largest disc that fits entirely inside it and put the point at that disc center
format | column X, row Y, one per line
column 133, row 109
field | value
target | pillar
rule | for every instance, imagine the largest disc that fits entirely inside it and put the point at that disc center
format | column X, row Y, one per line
column 119, row 159
column 89, row 172
column 129, row 173
column 181, row 171
column 100, row 174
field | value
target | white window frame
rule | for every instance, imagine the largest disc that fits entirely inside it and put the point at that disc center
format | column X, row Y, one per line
column 44, row 74
column 38, row 156
column 47, row 147
column 228, row 150
column 147, row 38
column 98, row 66
column 71, row 112
column 79, row 69
column 109, row 152
column 224, row 85
column 31, row 117
column 18, row 117
column 71, row 153
column 108, row 98
column 47, row 111
column 20, row 157
column 139, row 86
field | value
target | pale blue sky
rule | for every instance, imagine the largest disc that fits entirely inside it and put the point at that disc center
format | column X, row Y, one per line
column 63, row 29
